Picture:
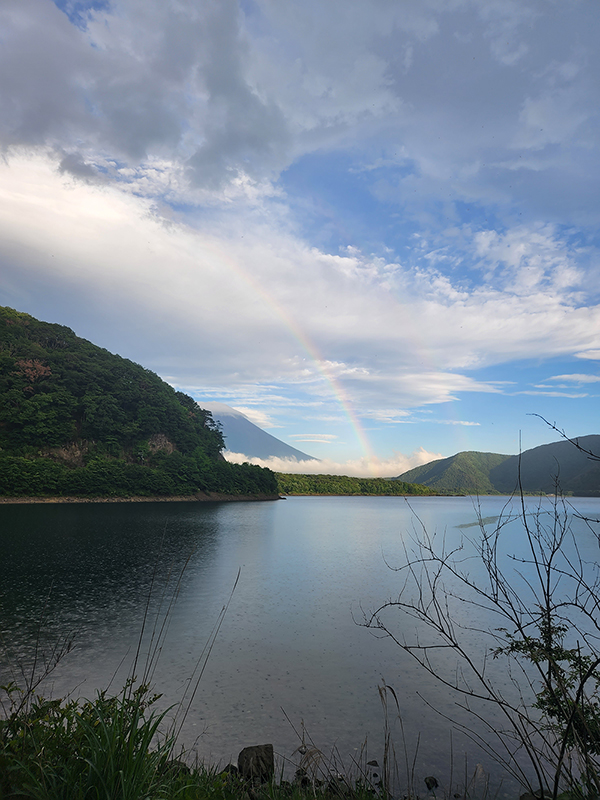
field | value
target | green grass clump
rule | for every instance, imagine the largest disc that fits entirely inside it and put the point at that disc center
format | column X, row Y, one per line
column 109, row 747
column 113, row 748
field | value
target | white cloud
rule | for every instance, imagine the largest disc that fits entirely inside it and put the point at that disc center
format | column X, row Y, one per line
column 388, row 415
column 549, row 119
column 322, row 438
column 252, row 304
column 529, row 260
column 592, row 355
column 258, row 417
column 363, row 467
column 464, row 423
column 572, row 396
column 576, row 378
column 225, row 96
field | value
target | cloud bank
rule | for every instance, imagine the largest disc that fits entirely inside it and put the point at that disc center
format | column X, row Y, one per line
column 361, row 467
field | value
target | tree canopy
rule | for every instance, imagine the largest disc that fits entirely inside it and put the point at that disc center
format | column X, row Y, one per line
column 346, row 485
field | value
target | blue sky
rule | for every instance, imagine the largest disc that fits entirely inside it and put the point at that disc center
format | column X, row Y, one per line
column 371, row 226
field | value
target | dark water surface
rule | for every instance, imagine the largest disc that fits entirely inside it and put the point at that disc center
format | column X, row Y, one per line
column 289, row 646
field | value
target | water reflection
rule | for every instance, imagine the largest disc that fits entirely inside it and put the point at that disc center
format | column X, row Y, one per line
column 290, row 639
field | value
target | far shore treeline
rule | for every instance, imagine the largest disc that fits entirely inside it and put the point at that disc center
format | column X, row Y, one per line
column 77, row 420
column 345, row 485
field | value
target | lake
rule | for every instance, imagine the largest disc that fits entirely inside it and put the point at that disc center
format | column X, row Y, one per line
column 290, row 655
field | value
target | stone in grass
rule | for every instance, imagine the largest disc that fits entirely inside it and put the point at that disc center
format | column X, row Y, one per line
column 257, row 763
column 230, row 772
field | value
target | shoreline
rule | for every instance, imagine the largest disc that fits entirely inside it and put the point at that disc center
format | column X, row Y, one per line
column 199, row 497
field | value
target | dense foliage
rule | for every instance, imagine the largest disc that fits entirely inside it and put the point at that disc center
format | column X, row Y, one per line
column 345, row 485
column 78, row 420
column 541, row 466
column 464, row 473
column 536, row 469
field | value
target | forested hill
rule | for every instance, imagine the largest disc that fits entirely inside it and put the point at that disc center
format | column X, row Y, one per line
column 540, row 468
column 464, row 473
column 78, row 420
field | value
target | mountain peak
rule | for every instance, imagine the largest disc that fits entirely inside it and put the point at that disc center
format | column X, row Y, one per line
column 243, row 436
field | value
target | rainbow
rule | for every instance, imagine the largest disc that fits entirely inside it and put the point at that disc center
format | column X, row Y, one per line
column 339, row 392
column 305, row 343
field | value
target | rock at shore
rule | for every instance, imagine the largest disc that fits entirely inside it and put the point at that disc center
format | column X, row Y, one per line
column 257, row 763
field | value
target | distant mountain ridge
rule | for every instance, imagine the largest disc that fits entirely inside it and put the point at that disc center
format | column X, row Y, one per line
column 473, row 472
column 243, row 436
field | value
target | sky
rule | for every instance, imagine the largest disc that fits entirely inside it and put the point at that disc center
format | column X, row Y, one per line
column 370, row 225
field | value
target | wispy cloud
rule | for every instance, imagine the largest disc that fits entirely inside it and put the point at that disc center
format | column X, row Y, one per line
column 455, row 422
column 571, row 395
column 320, row 438
column 390, row 415
column 576, row 378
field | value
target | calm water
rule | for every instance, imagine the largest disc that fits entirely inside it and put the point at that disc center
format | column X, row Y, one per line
column 289, row 653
